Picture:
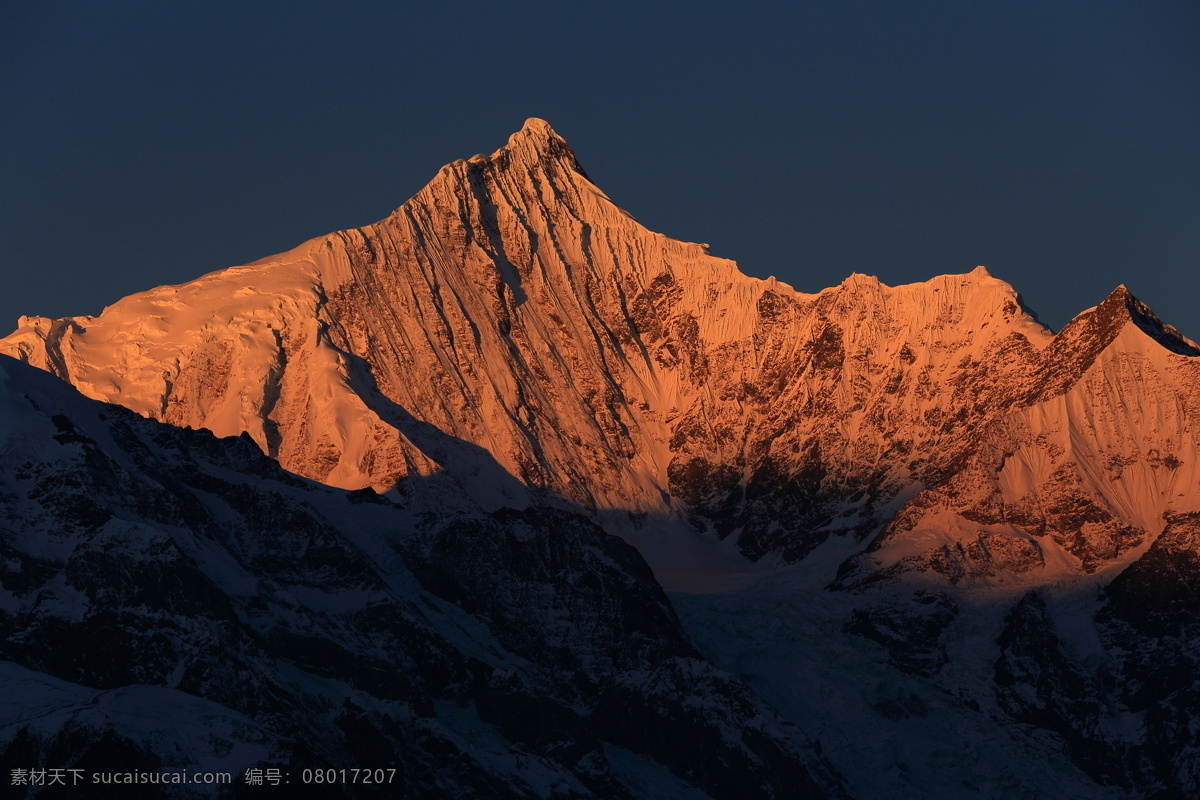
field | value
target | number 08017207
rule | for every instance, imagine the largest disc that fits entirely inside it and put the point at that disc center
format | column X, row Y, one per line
column 348, row 775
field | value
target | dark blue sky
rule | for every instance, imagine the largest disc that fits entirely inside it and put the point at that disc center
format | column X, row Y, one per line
column 1057, row 143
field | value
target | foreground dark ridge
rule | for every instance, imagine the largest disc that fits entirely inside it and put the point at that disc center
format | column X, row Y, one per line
column 177, row 601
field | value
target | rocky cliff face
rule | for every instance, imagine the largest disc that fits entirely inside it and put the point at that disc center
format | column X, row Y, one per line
column 982, row 528
column 1078, row 476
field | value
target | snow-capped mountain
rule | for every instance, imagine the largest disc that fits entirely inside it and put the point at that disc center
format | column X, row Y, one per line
column 974, row 528
column 512, row 305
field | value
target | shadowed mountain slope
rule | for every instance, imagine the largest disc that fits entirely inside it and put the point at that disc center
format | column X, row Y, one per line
column 173, row 601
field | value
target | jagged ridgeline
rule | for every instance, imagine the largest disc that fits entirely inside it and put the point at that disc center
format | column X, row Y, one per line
column 511, row 326
column 1003, row 517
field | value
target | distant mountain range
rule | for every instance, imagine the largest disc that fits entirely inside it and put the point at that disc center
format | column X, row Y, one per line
column 945, row 551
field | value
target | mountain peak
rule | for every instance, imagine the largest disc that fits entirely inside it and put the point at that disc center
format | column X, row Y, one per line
column 538, row 133
column 855, row 279
column 537, row 125
column 1116, row 309
column 1089, row 333
column 536, row 143
column 1145, row 318
column 1121, row 294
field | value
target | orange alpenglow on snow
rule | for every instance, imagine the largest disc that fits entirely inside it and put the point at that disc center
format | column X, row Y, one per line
column 513, row 329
